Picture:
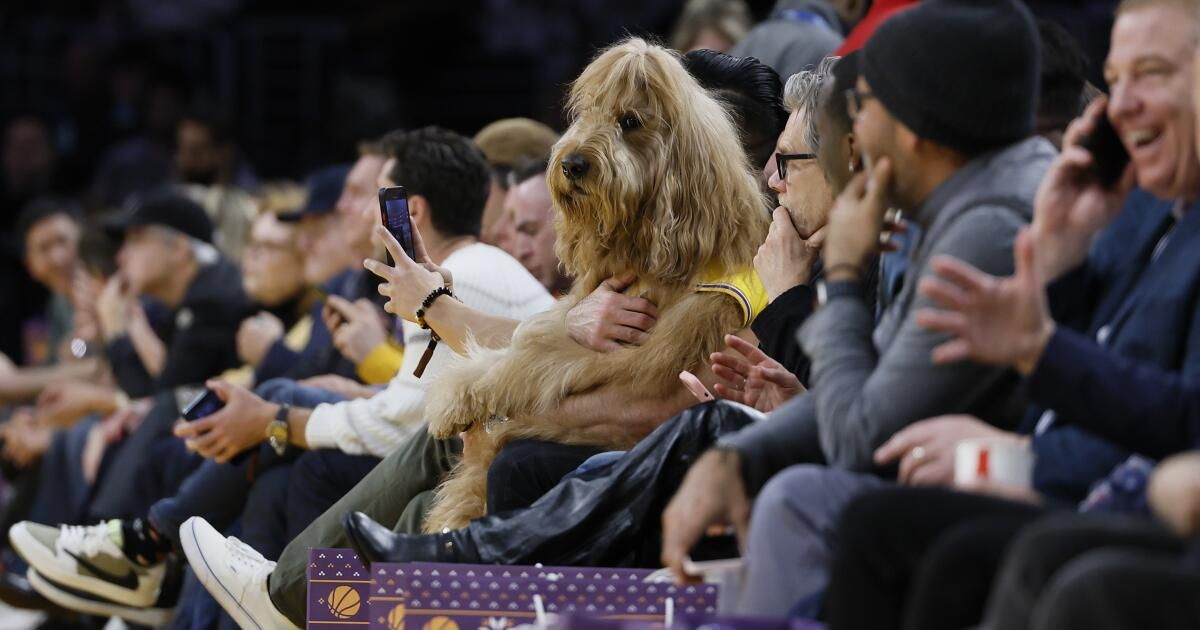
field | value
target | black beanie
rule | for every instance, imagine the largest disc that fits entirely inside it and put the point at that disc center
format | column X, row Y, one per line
column 962, row 73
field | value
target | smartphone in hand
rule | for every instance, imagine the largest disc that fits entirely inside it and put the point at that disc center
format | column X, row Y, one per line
column 204, row 405
column 692, row 382
column 1109, row 156
column 393, row 208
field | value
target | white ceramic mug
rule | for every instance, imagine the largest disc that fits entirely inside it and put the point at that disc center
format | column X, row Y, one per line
column 986, row 459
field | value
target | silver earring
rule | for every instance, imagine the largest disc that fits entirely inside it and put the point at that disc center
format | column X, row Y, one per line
column 851, row 166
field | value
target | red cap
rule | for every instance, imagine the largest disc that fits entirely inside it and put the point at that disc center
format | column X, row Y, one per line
column 880, row 10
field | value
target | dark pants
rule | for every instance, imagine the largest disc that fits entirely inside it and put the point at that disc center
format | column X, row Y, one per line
column 218, row 492
column 399, row 490
column 319, row 479
column 145, row 466
column 1097, row 572
column 286, row 499
column 922, row 557
column 264, row 519
column 62, row 491
column 525, row 470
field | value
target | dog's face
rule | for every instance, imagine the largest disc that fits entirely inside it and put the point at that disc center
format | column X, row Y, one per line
column 650, row 177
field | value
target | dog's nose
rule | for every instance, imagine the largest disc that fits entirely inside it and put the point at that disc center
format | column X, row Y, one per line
column 574, row 166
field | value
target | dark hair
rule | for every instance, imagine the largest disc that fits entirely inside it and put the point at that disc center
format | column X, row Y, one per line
column 43, row 208
column 751, row 90
column 526, row 169
column 448, row 170
column 1064, row 73
column 845, row 76
column 97, row 251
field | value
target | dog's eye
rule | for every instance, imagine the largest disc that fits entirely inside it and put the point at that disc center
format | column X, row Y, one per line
column 629, row 122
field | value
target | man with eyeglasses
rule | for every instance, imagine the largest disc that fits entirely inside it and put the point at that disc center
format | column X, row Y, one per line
column 966, row 174
column 813, row 163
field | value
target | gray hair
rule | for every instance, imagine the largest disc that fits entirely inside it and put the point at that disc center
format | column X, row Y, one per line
column 802, row 92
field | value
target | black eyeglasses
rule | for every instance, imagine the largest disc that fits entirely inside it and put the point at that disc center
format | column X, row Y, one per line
column 855, row 101
column 781, row 160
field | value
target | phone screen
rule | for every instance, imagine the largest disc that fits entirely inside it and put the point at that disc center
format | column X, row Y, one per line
column 393, row 205
column 202, row 406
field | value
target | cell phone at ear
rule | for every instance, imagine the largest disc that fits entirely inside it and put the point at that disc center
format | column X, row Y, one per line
column 393, row 208
column 203, row 405
column 1109, row 156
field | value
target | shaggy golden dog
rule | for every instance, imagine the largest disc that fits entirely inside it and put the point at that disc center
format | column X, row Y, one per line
column 651, row 179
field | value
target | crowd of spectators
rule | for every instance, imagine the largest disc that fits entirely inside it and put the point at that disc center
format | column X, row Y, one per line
column 948, row 265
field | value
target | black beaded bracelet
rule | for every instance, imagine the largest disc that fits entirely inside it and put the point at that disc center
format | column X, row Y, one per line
column 433, row 336
column 429, row 299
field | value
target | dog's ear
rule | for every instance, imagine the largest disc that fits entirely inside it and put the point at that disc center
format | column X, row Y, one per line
column 708, row 208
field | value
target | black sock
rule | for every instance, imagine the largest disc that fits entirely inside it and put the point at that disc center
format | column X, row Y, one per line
column 143, row 544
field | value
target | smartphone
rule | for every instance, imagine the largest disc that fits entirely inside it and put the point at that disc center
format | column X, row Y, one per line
column 205, row 404
column 393, row 207
column 694, row 385
column 715, row 552
column 1108, row 152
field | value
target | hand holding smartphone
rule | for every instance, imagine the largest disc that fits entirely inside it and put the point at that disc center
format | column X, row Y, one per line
column 393, row 208
column 204, row 405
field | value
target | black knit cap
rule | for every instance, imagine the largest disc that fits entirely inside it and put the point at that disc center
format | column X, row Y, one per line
column 962, row 73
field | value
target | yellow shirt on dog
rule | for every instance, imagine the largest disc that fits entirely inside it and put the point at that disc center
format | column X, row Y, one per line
column 744, row 286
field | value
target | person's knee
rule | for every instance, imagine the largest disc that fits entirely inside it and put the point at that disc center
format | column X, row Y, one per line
column 508, row 468
column 787, row 493
column 1039, row 549
column 806, row 486
column 310, row 468
column 1079, row 587
column 277, row 390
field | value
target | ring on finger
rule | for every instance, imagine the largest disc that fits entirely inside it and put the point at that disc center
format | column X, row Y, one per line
column 917, row 453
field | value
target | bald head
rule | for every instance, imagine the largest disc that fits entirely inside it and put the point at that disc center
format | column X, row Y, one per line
column 532, row 215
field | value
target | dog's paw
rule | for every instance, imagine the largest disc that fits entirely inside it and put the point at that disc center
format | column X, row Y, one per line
column 452, row 412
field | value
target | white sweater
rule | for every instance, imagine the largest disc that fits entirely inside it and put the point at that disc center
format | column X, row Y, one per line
column 485, row 278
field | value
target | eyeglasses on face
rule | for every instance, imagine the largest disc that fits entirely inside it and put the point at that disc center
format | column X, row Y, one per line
column 782, row 159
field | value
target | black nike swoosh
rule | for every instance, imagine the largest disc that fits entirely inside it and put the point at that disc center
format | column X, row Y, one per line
column 129, row 580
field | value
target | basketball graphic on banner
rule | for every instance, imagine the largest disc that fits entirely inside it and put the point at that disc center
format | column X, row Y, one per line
column 344, row 602
column 395, row 618
column 440, row 623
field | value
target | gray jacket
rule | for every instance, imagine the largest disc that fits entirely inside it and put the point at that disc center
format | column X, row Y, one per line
column 867, row 386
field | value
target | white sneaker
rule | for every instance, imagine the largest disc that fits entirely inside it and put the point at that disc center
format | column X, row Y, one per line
column 234, row 573
column 87, row 559
column 157, row 616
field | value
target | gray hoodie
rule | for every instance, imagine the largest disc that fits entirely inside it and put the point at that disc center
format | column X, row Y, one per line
column 799, row 34
column 869, row 381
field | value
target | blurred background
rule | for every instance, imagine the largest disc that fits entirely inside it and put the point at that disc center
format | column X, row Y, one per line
column 103, row 98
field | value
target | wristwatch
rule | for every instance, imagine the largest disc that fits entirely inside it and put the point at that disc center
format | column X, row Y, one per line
column 827, row 291
column 278, row 432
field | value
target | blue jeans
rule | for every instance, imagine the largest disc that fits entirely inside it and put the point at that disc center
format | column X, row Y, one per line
column 62, row 491
column 218, row 492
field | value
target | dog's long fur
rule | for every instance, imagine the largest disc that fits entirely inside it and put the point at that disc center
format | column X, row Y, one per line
column 667, row 198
